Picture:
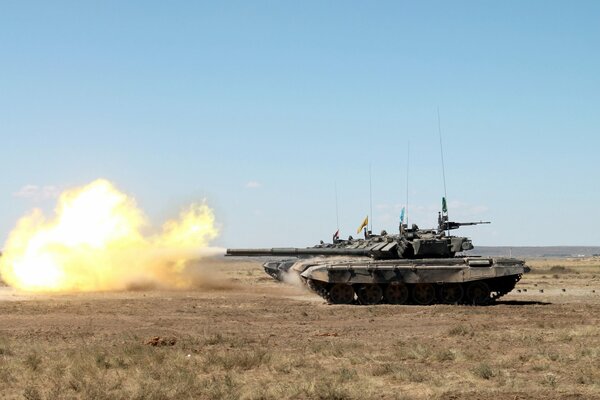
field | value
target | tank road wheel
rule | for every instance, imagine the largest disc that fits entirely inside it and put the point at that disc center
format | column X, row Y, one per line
column 424, row 293
column 369, row 294
column 396, row 293
column 478, row 293
column 451, row 293
column 341, row 293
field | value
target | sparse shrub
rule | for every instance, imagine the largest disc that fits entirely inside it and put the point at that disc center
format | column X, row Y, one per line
column 483, row 371
column 540, row 367
column 546, row 324
column 159, row 357
column 120, row 362
column 5, row 349
column 148, row 389
column 565, row 337
column 420, row 352
column 214, row 339
column 102, row 361
column 346, row 374
column 586, row 376
column 286, row 364
column 6, row 375
column 74, row 381
column 459, row 330
column 222, row 387
column 243, row 359
column 445, row 355
column 559, row 269
column 32, row 393
column 533, row 339
column 33, row 361
column 472, row 354
column 284, row 368
column 337, row 349
column 524, row 357
column 318, row 346
column 415, row 376
column 383, row 369
column 233, row 341
column 252, row 359
column 54, row 388
column 135, row 350
column 328, row 391
column 549, row 380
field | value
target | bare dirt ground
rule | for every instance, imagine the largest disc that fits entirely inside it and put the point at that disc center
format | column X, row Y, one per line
column 246, row 336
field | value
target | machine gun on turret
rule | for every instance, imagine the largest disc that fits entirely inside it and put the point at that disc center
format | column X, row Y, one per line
column 445, row 225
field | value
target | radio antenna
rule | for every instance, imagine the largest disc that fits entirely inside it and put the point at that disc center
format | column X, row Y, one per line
column 407, row 175
column 337, row 211
column 442, row 153
column 370, row 199
column 445, row 199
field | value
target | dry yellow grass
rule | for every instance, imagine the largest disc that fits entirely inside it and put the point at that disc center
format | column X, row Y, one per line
column 584, row 264
column 257, row 339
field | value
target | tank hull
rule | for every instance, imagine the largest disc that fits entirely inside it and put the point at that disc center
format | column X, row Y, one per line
column 460, row 280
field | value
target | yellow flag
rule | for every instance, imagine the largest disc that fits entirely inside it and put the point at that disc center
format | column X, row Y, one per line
column 364, row 223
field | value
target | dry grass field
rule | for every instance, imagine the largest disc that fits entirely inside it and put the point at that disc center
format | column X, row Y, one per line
column 244, row 336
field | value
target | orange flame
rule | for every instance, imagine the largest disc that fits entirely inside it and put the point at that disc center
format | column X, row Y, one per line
column 95, row 242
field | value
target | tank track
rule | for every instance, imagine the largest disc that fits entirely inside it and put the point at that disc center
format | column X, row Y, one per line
column 507, row 284
column 275, row 274
column 482, row 292
column 320, row 289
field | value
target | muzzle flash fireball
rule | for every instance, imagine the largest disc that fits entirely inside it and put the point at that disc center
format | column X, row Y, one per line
column 96, row 240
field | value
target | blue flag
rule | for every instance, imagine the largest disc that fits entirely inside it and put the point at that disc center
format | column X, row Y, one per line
column 402, row 215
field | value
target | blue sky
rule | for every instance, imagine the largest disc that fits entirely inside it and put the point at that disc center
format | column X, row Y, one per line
column 263, row 107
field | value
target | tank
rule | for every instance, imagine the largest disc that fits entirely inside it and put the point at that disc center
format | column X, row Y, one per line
column 415, row 266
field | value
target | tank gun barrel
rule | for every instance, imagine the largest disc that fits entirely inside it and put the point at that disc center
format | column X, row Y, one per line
column 295, row 252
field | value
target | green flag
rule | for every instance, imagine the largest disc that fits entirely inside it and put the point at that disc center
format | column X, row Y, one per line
column 444, row 205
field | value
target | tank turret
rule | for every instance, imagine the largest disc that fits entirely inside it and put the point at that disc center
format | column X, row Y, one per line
column 409, row 243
